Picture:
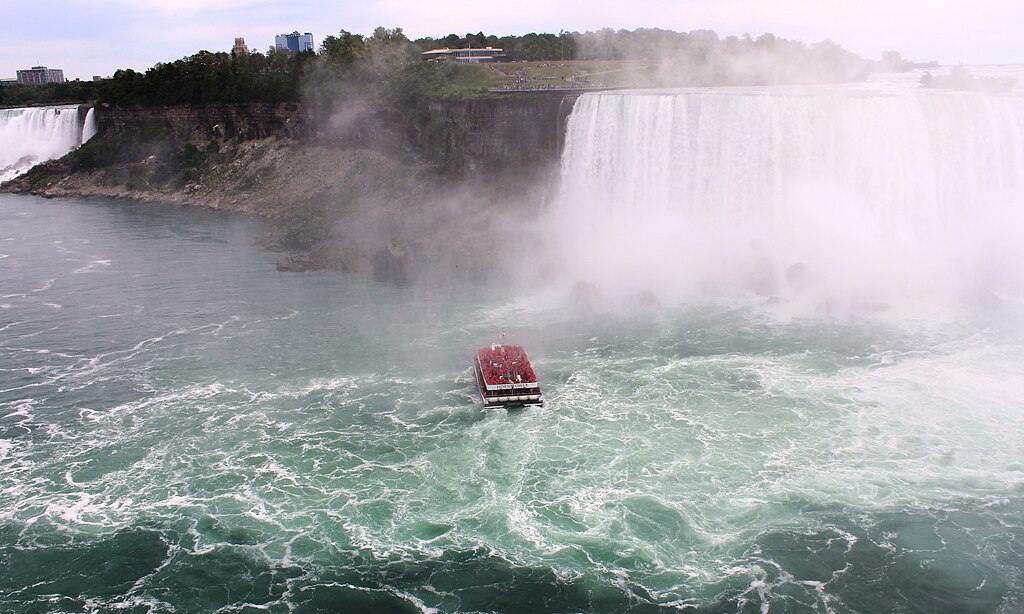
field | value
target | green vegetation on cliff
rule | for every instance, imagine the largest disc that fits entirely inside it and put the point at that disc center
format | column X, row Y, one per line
column 211, row 77
column 141, row 157
column 17, row 95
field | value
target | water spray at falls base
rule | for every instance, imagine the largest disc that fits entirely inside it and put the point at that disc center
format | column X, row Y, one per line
column 863, row 196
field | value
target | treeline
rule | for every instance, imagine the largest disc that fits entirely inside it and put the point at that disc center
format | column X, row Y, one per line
column 277, row 76
column 17, row 94
column 386, row 66
column 212, row 77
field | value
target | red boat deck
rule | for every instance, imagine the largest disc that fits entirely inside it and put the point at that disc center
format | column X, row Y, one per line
column 506, row 377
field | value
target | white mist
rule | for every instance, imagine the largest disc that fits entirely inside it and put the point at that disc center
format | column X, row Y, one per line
column 871, row 195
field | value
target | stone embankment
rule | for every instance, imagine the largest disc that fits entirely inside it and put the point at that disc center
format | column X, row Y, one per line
column 464, row 136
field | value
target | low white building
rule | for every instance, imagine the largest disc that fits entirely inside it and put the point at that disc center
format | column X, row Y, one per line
column 465, row 56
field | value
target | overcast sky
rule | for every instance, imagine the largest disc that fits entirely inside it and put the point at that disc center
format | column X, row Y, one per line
column 97, row 37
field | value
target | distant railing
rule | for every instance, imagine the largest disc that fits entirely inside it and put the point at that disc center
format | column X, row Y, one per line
column 556, row 88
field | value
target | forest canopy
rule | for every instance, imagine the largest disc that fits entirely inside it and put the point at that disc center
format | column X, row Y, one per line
column 386, row 66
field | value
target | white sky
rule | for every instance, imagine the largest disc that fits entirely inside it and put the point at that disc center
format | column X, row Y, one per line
column 96, row 37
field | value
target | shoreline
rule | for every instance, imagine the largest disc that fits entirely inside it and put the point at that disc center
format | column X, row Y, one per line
column 324, row 208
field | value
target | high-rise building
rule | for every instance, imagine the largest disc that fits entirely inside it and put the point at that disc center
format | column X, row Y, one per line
column 41, row 75
column 240, row 47
column 294, row 42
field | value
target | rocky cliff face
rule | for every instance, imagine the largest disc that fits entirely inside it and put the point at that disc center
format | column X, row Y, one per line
column 232, row 122
column 469, row 137
column 463, row 138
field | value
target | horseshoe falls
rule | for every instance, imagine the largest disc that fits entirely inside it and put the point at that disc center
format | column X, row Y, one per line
column 873, row 196
column 779, row 331
column 29, row 136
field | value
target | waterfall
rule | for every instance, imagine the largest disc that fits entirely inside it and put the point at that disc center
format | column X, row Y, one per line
column 33, row 135
column 89, row 125
column 868, row 192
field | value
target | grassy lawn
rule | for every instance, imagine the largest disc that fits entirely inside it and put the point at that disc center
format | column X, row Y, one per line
column 472, row 78
column 581, row 72
column 477, row 79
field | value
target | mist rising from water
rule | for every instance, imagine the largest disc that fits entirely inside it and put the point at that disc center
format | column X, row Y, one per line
column 861, row 196
column 858, row 194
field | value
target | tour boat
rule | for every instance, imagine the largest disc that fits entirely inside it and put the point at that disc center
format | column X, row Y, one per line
column 505, row 377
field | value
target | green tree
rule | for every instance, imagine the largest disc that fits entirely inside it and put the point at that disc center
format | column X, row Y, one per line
column 385, row 36
column 452, row 41
column 342, row 51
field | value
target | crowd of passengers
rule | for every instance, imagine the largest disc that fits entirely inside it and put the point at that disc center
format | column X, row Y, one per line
column 506, row 364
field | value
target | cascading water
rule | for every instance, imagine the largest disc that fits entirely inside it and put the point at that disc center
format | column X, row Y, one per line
column 868, row 194
column 89, row 126
column 33, row 135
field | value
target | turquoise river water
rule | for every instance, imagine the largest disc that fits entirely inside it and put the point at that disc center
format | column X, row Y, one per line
column 184, row 429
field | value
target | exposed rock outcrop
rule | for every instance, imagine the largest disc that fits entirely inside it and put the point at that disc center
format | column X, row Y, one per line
column 212, row 122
